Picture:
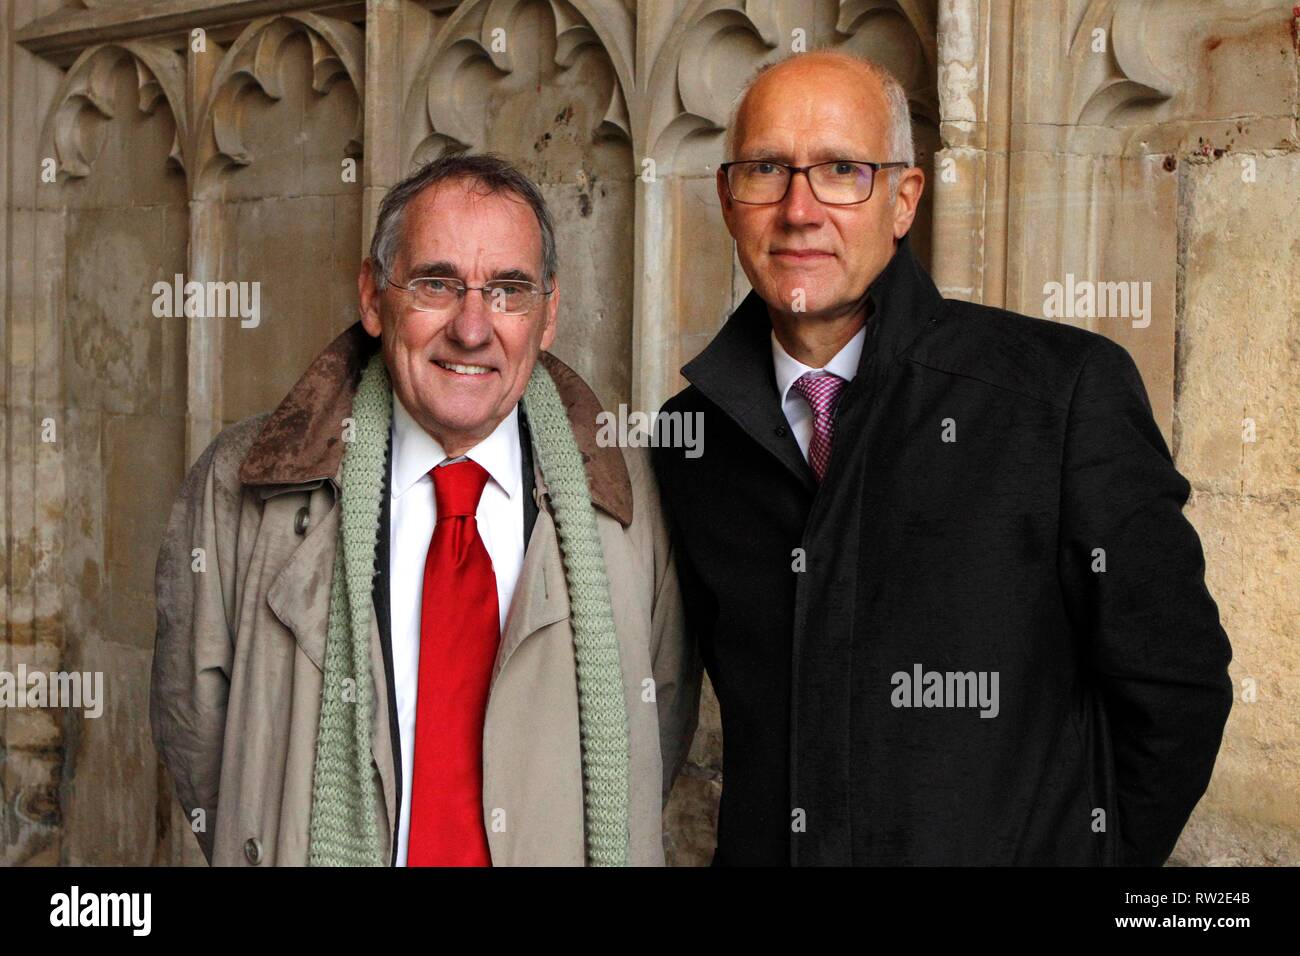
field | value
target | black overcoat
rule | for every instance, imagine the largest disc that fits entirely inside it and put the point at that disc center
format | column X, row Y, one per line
column 999, row 505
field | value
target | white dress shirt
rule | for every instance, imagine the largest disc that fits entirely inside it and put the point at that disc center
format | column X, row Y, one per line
column 789, row 370
column 413, row 513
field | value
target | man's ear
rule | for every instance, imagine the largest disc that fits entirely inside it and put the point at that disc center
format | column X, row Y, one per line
column 910, row 186
column 552, row 310
column 368, row 295
column 724, row 199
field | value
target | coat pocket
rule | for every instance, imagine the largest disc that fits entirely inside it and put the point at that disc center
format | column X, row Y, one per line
column 299, row 594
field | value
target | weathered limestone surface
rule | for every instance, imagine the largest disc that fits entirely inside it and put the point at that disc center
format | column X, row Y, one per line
column 1239, row 382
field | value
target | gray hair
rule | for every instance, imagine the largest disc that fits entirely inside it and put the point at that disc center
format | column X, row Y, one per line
column 491, row 172
column 901, row 146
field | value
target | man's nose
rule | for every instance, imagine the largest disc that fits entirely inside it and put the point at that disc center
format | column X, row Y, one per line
column 471, row 327
column 800, row 206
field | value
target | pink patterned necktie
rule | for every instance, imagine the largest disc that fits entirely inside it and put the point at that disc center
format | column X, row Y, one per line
column 822, row 392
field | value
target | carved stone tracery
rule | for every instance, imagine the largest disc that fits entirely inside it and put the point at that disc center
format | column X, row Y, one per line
column 1101, row 86
column 476, row 65
column 214, row 141
column 88, row 85
column 253, row 63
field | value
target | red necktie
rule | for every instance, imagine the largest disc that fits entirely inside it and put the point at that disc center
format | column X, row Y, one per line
column 459, row 633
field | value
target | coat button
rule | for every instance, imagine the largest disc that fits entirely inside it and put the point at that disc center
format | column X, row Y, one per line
column 301, row 520
column 253, row 850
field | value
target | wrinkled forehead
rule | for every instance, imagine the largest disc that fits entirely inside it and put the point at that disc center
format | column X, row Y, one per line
column 813, row 113
column 460, row 221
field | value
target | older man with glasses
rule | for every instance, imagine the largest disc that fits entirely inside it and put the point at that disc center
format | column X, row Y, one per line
column 419, row 615
column 934, row 556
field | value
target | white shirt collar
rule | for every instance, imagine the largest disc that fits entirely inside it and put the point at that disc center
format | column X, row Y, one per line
column 415, row 452
column 844, row 364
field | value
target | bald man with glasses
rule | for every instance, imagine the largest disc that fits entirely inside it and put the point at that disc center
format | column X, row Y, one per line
column 933, row 555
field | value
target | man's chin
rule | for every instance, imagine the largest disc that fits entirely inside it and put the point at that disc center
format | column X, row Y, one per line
column 445, row 415
column 466, row 423
column 804, row 302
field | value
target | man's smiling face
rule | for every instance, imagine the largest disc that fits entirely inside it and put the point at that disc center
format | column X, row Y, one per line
column 459, row 373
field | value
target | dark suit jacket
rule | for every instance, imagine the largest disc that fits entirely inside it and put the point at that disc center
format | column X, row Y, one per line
column 977, row 556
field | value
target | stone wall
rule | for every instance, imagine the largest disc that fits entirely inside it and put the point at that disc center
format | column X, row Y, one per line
column 1236, row 439
column 1145, row 141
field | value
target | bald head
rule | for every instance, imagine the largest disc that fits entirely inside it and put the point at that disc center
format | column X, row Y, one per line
column 804, row 80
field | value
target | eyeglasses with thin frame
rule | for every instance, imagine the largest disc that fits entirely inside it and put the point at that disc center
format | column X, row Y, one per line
column 837, row 182
column 444, row 293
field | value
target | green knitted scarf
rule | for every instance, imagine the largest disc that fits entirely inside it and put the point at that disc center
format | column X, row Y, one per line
column 346, row 792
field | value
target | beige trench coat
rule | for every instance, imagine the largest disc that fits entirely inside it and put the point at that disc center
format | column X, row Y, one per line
column 243, row 582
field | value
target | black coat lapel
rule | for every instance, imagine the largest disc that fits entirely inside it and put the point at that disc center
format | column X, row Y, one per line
column 735, row 373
